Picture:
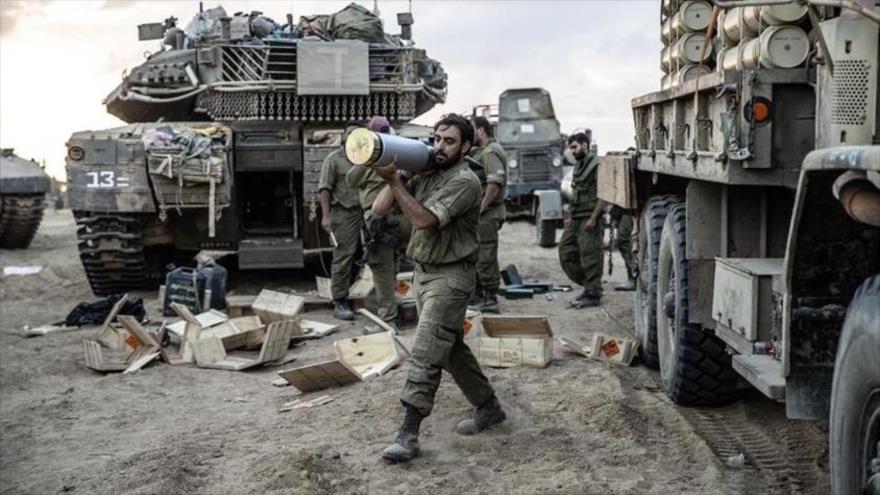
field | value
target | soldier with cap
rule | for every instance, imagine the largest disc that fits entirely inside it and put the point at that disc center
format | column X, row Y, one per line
column 342, row 218
column 443, row 206
column 385, row 233
column 580, row 249
column 493, row 178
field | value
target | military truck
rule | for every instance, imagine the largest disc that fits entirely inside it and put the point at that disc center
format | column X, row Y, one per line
column 757, row 188
column 23, row 187
column 229, row 122
column 529, row 132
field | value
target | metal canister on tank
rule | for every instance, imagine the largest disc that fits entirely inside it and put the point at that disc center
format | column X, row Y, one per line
column 728, row 58
column 689, row 72
column 759, row 17
column 666, row 59
column 666, row 82
column 689, row 48
column 366, row 148
column 734, row 29
column 778, row 47
column 692, row 16
column 666, row 31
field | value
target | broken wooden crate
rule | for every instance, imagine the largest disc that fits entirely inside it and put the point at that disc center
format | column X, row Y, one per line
column 235, row 333
column 358, row 359
column 210, row 352
column 136, row 348
column 511, row 341
column 272, row 306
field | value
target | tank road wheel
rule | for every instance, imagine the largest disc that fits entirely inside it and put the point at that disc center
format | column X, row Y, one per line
column 855, row 396
column 113, row 254
column 653, row 216
column 545, row 230
column 694, row 365
column 20, row 217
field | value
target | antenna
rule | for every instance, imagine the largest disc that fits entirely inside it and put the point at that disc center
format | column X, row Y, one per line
column 376, row 7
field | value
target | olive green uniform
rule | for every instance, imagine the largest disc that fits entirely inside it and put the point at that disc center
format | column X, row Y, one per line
column 494, row 171
column 444, row 279
column 382, row 258
column 346, row 220
column 580, row 250
column 624, row 238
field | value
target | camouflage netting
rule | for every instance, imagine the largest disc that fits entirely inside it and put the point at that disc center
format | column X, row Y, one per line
column 354, row 22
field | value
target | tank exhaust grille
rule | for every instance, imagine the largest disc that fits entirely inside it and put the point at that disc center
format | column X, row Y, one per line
column 849, row 92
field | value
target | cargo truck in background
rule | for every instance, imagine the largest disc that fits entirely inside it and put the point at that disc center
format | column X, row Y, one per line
column 757, row 188
column 229, row 123
column 529, row 132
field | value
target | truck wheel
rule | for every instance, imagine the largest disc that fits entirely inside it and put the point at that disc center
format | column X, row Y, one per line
column 546, row 230
column 694, row 364
column 653, row 216
column 855, row 396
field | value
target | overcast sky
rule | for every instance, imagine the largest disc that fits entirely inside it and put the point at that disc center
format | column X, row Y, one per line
column 59, row 58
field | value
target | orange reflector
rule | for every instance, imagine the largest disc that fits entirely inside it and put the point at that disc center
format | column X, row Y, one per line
column 760, row 111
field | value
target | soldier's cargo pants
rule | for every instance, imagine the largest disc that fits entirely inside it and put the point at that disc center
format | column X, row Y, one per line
column 442, row 293
column 382, row 263
column 345, row 223
column 580, row 254
column 488, row 273
column 624, row 242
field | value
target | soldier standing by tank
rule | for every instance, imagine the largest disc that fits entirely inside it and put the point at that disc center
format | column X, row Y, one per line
column 443, row 206
column 381, row 231
column 580, row 249
column 342, row 218
column 493, row 178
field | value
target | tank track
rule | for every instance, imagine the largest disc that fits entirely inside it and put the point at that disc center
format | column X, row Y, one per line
column 20, row 217
column 112, row 252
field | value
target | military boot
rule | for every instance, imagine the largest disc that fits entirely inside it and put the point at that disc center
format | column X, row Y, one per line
column 342, row 310
column 485, row 415
column 585, row 300
column 406, row 446
column 628, row 286
column 490, row 303
column 476, row 301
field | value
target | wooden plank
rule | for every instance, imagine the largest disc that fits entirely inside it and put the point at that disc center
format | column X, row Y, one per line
column 110, row 336
column 141, row 362
column 320, row 376
column 272, row 306
column 299, row 403
column 574, row 347
column 207, row 319
column 370, row 355
column 316, row 329
column 277, row 340
column 97, row 359
column 134, row 327
column 208, row 351
column 378, row 321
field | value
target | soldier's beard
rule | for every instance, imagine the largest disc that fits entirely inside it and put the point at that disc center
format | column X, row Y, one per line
column 445, row 161
column 580, row 155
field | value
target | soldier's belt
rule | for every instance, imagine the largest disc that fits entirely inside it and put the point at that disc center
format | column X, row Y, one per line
column 445, row 267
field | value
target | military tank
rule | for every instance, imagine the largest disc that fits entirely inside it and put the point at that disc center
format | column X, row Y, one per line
column 23, row 186
column 229, row 122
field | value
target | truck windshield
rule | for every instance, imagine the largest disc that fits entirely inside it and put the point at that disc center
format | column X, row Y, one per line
column 534, row 131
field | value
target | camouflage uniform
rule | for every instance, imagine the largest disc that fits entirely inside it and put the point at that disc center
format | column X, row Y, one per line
column 494, row 171
column 346, row 220
column 444, row 279
column 580, row 250
column 382, row 258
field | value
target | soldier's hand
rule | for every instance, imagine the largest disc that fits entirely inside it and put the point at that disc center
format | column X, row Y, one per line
column 325, row 223
column 388, row 173
column 589, row 224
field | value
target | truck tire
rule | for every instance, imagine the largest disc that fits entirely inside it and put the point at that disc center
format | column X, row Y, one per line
column 855, row 396
column 653, row 216
column 113, row 255
column 546, row 230
column 694, row 364
column 20, row 217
